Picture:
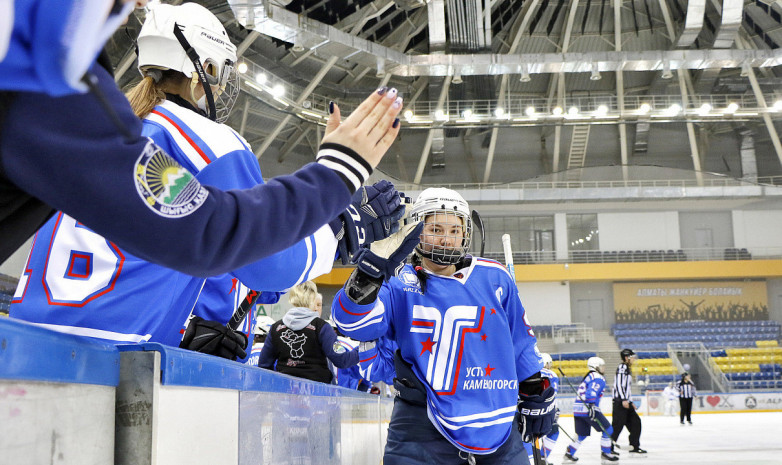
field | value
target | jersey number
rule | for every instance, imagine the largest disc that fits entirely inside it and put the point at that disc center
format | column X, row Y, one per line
column 80, row 265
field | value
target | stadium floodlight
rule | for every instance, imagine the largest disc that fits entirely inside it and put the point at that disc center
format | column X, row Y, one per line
column 602, row 110
column 674, row 109
column 595, row 73
column 408, row 114
column 732, row 107
column 572, row 111
column 499, row 112
column 777, row 105
column 467, row 114
column 525, row 73
column 242, row 68
column 260, row 78
column 666, row 74
column 278, row 90
column 704, row 109
column 557, row 111
column 644, row 108
column 530, row 111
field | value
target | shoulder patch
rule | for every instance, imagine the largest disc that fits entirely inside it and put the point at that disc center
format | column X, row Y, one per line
column 165, row 186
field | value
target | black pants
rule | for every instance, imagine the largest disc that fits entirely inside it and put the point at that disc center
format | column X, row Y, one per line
column 626, row 417
column 685, row 404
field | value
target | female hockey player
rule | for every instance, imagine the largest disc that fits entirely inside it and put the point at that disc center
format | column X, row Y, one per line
column 587, row 414
column 467, row 358
column 121, row 297
column 63, row 148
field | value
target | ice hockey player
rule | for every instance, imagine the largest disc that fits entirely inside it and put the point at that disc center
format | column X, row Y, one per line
column 550, row 439
column 467, row 359
column 101, row 170
column 587, row 413
column 124, row 298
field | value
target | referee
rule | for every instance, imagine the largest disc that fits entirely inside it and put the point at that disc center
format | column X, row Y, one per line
column 686, row 390
column 624, row 413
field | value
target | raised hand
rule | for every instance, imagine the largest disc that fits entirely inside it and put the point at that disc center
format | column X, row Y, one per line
column 371, row 129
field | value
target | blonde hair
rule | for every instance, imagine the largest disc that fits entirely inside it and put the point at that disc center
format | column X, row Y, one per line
column 303, row 295
column 148, row 94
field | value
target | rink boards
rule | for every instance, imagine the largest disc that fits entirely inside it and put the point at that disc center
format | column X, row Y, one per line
column 69, row 400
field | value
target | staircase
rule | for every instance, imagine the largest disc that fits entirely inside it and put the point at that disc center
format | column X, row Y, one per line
column 577, row 155
column 608, row 350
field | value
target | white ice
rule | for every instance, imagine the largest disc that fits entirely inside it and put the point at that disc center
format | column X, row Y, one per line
column 753, row 438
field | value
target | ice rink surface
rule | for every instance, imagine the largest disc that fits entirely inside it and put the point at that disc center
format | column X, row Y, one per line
column 714, row 439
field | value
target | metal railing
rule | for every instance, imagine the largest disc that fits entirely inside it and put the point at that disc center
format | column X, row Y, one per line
column 718, row 379
column 575, row 333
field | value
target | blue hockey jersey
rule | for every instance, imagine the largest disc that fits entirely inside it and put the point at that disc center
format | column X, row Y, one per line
column 48, row 45
column 552, row 378
column 467, row 340
column 123, row 298
column 378, row 364
column 590, row 391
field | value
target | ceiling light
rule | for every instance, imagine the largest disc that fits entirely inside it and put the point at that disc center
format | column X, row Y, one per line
column 297, row 47
column 745, row 71
column 467, row 114
column 499, row 112
column 572, row 111
column 674, row 109
column 595, row 73
column 777, row 105
column 260, row 78
column 278, row 90
column 644, row 108
column 242, row 68
column 704, row 109
column 557, row 111
column 525, row 73
column 408, row 114
column 440, row 115
column 381, row 67
column 530, row 111
column 666, row 74
column 732, row 107
column 602, row 110
column 457, row 78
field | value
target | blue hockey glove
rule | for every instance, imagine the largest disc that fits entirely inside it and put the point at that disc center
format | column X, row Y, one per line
column 384, row 258
column 536, row 414
column 373, row 215
column 367, row 353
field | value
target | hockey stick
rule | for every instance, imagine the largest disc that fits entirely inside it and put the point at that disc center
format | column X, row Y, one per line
column 478, row 222
column 509, row 264
column 242, row 310
column 582, row 400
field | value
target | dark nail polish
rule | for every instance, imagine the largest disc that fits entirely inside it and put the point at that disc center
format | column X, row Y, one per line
column 396, row 123
column 331, row 107
column 382, row 90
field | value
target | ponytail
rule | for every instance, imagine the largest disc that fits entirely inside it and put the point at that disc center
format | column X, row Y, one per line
column 148, row 93
column 419, row 271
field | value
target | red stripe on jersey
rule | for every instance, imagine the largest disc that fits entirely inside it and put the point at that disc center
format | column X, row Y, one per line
column 187, row 138
column 351, row 313
column 423, row 323
column 367, row 359
column 474, row 447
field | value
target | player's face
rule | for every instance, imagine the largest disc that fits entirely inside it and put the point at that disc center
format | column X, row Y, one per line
column 442, row 231
column 318, row 305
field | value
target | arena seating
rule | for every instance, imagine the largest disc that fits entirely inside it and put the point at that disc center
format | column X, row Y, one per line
column 713, row 334
column 574, row 365
column 751, row 368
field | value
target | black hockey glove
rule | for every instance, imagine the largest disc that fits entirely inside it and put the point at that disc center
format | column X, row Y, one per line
column 210, row 337
column 373, row 215
column 384, row 258
column 536, row 408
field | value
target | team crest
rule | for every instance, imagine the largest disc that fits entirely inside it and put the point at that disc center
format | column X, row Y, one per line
column 166, row 186
column 409, row 278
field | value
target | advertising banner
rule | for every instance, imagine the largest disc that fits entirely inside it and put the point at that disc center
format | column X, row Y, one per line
column 683, row 301
column 717, row 403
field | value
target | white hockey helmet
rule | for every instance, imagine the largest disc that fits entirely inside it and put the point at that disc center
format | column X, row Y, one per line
column 547, row 360
column 594, row 363
column 450, row 208
column 159, row 48
column 263, row 324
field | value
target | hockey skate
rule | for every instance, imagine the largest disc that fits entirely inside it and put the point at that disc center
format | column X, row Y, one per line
column 569, row 458
column 638, row 452
column 608, row 458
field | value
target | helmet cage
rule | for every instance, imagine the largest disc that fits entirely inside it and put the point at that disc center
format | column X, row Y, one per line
column 431, row 242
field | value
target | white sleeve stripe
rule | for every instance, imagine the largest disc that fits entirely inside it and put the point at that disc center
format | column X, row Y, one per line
column 353, row 163
column 302, row 277
column 347, row 174
column 96, row 333
column 325, row 246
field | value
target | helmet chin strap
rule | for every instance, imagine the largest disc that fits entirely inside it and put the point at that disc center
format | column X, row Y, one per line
column 211, row 111
column 437, row 261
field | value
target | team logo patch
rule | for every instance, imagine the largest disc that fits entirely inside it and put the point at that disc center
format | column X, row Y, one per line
column 339, row 348
column 408, row 278
column 166, row 186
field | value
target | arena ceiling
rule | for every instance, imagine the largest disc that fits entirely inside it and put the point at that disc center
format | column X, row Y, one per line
column 535, row 88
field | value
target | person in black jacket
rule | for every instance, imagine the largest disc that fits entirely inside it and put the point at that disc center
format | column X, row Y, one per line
column 301, row 342
column 687, row 392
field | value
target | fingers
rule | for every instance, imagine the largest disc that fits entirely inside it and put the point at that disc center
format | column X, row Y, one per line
column 381, row 114
column 334, row 119
column 366, row 107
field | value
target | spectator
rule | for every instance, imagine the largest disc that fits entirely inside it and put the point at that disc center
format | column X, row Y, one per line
column 687, row 392
column 302, row 342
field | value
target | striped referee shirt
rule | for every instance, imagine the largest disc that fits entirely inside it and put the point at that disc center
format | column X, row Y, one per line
column 686, row 389
column 622, row 383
